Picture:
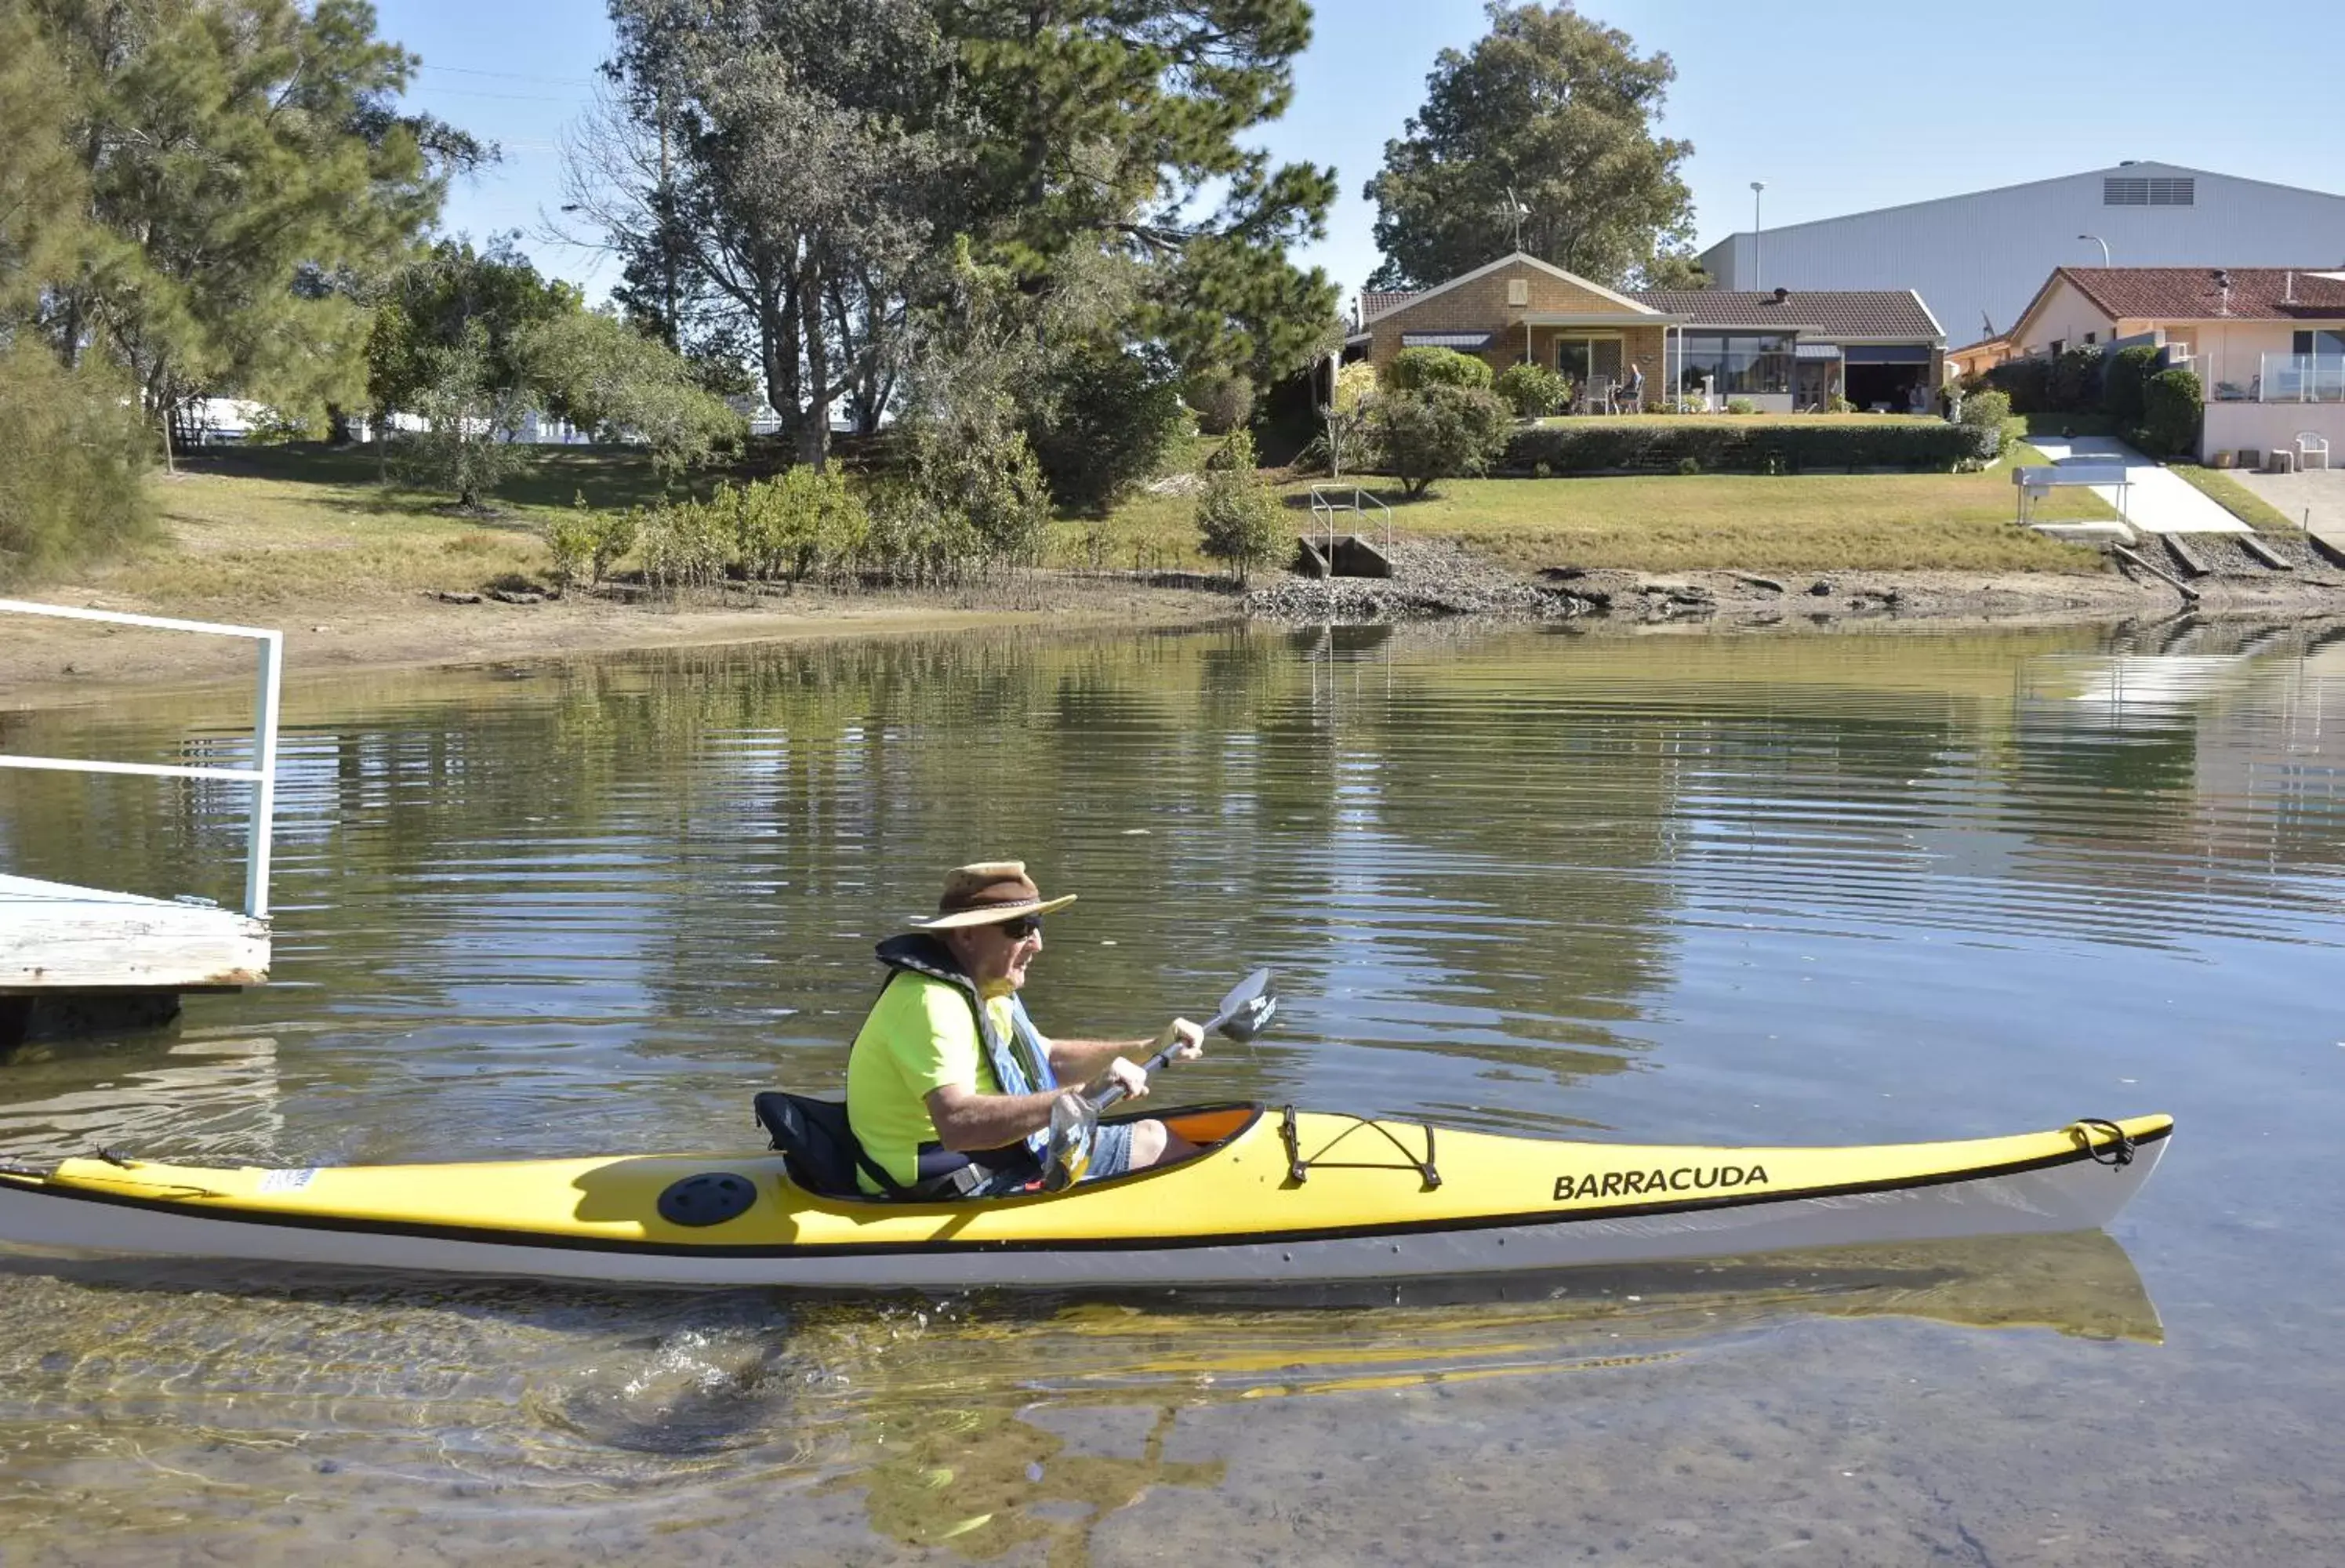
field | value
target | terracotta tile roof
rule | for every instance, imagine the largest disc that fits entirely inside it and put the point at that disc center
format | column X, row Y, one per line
column 1891, row 315
column 1376, row 302
column 2192, row 293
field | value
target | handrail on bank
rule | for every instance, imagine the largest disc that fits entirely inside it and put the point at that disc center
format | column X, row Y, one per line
column 262, row 775
column 1324, row 501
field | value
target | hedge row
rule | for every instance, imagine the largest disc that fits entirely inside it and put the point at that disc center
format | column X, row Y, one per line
column 1663, row 447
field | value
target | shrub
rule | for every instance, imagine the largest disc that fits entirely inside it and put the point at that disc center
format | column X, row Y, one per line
column 909, row 540
column 1237, row 514
column 72, row 463
column 980, row 479
column 1657, row 446
column 1986, row 415
column 1224, row 400
column 1741, row 406
column 684, row 544
column 1103, row 426
column 1440, row 432
column 1533, row 391
column 2171, row 407
column 2068, row 383
column 585, row 542
column 801, row 523
column 1415, row 370
column 2124, row 384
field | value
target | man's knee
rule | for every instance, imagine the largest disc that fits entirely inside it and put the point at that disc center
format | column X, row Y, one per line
column 1153, row 1143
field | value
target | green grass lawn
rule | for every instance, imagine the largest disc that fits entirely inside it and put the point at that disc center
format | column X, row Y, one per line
column 2237, row 499
column 1799, row 522
column 302, row 524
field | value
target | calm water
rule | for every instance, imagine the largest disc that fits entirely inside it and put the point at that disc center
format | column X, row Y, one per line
column 1674, row 888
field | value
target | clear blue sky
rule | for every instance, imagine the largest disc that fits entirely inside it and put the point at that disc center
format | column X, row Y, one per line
column 1839, row 107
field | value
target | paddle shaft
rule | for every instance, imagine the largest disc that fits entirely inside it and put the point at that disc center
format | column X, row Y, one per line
column 1165, row 1057
column 1152, row 1066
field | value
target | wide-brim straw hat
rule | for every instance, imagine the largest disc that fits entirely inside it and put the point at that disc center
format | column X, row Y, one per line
column 987, row 893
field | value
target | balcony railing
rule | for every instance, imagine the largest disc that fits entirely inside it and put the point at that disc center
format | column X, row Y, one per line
column 2296, row 378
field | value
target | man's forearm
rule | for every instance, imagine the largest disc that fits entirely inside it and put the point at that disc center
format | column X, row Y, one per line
column 991, row 1121
column 1077, row 1062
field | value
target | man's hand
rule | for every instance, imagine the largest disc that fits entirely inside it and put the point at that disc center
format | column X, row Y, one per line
column 1128, row 1075
column 1186, row 1040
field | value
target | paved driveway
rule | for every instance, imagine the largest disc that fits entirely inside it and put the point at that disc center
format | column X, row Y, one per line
column 2319, row 496
column 2156, row 500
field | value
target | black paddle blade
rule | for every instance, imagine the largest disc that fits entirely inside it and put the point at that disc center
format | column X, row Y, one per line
column 1247, row 1009
column 1252, row 1019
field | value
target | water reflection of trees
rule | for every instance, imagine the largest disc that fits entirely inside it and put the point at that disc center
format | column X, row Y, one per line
column 1470, row 848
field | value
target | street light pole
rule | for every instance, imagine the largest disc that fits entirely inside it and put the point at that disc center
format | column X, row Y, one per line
column 1756, row 187
column 2103, row 244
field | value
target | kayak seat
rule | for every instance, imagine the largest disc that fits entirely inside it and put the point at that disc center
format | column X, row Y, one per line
column 817, row 1145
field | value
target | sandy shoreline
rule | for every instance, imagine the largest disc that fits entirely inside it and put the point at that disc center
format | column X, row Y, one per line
column 49, row 663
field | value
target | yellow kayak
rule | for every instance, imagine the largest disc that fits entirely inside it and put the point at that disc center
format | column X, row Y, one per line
column 1274, row 1197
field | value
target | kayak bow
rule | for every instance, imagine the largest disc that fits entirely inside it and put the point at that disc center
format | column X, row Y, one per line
column 1273, row 1198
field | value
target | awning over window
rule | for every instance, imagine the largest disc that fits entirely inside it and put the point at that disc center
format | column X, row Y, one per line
column 1468, row 342
column 1816, row 351
column 1888, row 353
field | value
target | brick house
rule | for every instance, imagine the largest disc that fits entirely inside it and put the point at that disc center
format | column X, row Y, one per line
column 1779, row 350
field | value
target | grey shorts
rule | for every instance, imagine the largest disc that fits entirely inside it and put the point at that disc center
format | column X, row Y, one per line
column 1111, row 1151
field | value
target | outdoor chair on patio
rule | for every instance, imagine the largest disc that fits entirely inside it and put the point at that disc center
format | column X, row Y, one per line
column 1596, row 395
column 2310, row 444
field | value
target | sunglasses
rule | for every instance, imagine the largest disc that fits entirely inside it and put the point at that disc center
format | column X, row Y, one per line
column 1022, row 927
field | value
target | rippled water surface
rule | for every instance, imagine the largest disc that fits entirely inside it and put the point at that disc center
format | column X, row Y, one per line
column 1674, row 888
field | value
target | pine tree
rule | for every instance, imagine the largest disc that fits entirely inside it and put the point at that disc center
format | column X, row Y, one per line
column 242, row 160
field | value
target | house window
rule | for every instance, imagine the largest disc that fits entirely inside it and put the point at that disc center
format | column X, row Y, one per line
column 2325, row 341
column 1739, row 364
column 2091, row 338
column 2059, row 346
column 1579, row 358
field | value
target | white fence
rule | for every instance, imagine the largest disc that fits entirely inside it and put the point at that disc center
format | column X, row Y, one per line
column 262, row 775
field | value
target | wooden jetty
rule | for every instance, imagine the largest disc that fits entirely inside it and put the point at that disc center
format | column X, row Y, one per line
column 75, row 959
column 55, row 936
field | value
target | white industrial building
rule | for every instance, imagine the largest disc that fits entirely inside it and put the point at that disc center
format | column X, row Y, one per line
column 1978, row 259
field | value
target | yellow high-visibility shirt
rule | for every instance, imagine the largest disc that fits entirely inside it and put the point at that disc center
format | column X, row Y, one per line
column 920, row 1036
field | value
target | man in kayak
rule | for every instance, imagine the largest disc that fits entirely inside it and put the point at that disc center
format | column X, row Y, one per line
column 950, row 1086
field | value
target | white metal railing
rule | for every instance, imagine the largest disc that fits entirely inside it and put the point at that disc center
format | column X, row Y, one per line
column 2302, row 379
column 261, row 776
column 1328, row 502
